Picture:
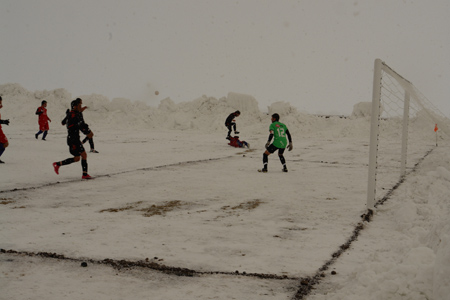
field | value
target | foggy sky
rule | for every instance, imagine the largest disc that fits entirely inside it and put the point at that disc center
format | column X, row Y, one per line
column 317, row 55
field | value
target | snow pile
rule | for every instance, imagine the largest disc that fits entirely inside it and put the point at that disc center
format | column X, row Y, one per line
column 413, row 261
column 362, row 110
column 205, row 113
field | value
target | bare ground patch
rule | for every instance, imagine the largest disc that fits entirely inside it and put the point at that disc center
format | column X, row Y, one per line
column 236, row 210
column 153, row 210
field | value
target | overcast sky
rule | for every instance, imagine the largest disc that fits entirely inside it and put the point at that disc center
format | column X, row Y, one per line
column 316, row 54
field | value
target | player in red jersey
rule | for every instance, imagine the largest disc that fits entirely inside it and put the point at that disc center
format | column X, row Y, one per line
column 41, row 111
column 3, row 140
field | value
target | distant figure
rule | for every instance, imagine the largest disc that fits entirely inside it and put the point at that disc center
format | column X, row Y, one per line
column 235, row 142
column 3, row 140
column 43, row 120
column 278, row 131
column 230, row 123
column 75, row 123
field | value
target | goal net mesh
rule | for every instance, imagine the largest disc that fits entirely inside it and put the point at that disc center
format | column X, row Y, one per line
column 404, row 124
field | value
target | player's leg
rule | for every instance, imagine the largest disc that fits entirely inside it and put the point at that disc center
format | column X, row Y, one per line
column 2, row 149
column 234, row 128
column 84, row 165
column 3, row 144
column 38, row 133
column 91, row 143
column 229, row 131
column 75, row 151
column 271, row 149
column 282, row 160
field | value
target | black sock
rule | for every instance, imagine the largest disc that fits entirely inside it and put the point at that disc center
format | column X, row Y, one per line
column 66, row 162
column 265, row 160
column 84, row 165
column 91, row 143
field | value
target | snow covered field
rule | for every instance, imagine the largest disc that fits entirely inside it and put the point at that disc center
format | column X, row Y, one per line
column 182, row 215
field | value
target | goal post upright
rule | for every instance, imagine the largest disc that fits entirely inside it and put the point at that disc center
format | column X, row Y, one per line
column 374, row 132
column 399, row 113
column 405, row 134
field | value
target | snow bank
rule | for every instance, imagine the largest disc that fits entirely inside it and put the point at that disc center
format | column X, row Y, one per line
column 362, row 110
column 413, row 259
column 205, row 113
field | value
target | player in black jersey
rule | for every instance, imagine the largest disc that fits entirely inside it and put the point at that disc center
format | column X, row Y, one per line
column 75, row 123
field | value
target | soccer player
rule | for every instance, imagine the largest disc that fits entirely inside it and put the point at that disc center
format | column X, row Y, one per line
column 230, row 123
column 278, row 131
column 41, row 111
column 3, row 140
column 91, row 140
column 235, row 142
column 75, row 124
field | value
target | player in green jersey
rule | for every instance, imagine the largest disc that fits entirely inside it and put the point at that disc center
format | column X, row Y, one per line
column 281, row 135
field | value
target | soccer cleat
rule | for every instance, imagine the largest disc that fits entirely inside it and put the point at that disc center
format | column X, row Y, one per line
column 87, row 176
column 263, row 170
column 228, row 137
column 236, row 132
column 285, row 169
column 36, row 136
column 43, row 139
column 1, row 161
column 94, row 151
column 56, row 167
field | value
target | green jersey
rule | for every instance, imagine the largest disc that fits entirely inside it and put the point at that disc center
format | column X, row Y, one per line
column 279, row 134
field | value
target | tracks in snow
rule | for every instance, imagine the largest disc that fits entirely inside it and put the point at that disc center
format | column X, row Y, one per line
column 190, row 162
column 305, row 284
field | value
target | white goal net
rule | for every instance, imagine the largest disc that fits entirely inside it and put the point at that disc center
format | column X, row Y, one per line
column 405, row 126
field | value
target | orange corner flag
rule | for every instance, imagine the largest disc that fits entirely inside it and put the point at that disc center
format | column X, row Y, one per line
column 435, row 128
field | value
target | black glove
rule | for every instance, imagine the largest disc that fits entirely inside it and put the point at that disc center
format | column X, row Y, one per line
column 290, row 147
column 267, row 145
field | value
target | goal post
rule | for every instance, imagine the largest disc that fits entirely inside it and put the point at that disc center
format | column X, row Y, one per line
column 399, row 113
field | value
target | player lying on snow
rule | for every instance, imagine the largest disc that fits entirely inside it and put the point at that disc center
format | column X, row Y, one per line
column 235, row 142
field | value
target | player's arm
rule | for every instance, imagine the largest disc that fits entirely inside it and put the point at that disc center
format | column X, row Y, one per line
column 290, row 146
column 270, row 136
column 64, row 121
column 288, row 135
column 38, row 111
column 269, row 139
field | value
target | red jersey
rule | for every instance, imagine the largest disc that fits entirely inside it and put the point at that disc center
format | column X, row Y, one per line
column 43, row 118
column 3, row 138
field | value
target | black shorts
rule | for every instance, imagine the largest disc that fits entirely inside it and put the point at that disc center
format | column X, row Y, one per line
column 272, row 149
column 76, row 148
